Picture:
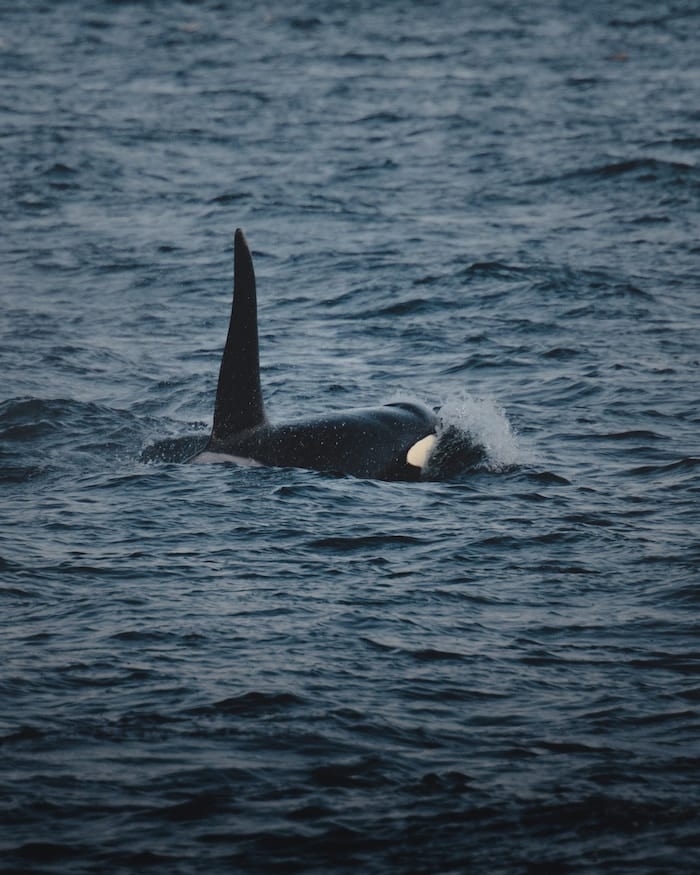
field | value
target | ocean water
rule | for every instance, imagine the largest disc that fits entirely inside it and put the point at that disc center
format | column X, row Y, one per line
column 488, row 206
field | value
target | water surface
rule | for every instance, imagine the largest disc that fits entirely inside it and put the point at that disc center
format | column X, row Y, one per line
column 493, row 208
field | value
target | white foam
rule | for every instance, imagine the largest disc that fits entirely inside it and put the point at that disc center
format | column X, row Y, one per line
column 486, row 425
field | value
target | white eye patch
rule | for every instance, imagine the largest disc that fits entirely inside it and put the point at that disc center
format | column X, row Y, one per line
column 419, row 453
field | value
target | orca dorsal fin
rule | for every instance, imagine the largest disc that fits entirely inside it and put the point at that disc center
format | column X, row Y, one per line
column 239, row 402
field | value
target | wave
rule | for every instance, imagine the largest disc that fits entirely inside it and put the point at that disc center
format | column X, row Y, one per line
column 643, row 169
column 37, row 435
column 348, row 544
column 253, row 703
column 686, row 465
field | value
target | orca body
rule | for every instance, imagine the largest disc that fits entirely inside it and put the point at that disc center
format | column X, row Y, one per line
column 392, row 442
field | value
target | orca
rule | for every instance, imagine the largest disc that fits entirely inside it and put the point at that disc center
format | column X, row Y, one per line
column 391, row 442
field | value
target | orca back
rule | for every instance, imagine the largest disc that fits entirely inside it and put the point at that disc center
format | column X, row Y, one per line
column 364, row 442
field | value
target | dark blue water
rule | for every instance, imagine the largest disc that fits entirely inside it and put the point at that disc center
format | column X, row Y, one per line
column 489, row 206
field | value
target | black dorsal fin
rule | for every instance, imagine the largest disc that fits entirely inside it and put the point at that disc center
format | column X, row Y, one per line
column 239, row 402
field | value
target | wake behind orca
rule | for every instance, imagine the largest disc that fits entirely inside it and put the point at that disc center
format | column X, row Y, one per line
column 391, row 442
